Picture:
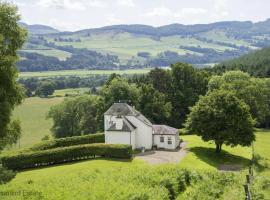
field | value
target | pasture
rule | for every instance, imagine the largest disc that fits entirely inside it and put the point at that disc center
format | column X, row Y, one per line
column 32, row 114
column 81, row 73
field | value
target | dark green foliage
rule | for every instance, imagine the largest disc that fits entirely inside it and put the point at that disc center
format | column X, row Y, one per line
column 45, row 89
column 256, row 63
column 6, row 175
column 69, row 141
column 65, row 154
column 75, row 116
column 12, row 37
column 223, row 118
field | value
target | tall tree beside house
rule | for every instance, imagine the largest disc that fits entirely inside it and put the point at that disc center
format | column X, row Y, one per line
column 154, row 105
column 75, row 116
column 223, row 118
column 188, row 84
column 12, row 37
column 118, row 89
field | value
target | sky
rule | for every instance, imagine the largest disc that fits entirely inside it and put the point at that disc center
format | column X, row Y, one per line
column 71, row 15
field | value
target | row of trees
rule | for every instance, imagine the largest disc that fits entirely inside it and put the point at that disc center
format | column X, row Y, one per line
column 163, row 96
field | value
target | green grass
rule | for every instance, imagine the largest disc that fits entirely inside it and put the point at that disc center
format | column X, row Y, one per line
column 32, row 114
column 62, row 55
column 81, row 72
column 201, row 155
column 262, row 148
column 70, row 92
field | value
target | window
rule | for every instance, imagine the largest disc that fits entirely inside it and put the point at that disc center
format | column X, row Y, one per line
column 169, row 140
column 161, row 139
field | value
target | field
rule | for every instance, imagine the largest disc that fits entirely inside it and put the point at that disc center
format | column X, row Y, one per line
column 81, row 73
column 32, row 114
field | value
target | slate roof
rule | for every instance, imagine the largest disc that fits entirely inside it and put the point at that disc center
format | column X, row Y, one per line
column 127, row 126
column 164, row 130
column 123, row 109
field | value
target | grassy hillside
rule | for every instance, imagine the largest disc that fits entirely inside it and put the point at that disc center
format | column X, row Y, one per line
column 32, row 114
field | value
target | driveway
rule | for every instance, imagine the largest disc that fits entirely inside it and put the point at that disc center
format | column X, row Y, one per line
column 164, row 156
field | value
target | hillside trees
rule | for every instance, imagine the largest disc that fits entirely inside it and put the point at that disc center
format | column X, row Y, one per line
column 12, row 37
column 223, row 118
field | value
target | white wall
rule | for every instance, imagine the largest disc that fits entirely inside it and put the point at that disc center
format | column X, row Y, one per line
column 165, row 145
column 119, row 137
column 143, row 133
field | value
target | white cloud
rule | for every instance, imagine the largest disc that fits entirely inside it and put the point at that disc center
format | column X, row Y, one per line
column 160, row 11
column 128, row 3
column 112, row 19
column 71, row 4
column 62, row 4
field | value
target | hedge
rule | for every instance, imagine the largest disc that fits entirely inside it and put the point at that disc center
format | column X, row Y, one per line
column 65, row 154
column 69, row 141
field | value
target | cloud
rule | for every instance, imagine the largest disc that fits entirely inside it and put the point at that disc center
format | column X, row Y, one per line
column 160, row 11
column 71, row 4
column 112, row 19
column 128, row 3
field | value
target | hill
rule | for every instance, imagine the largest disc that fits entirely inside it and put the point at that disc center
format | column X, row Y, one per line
column 137, row 46
column 256, row 63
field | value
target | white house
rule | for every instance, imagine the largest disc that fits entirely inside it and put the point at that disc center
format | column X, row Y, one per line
column 123, row 124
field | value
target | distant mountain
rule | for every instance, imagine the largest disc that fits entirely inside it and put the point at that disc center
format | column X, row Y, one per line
column 137, row 45
column 256, row 63
column 39, row 29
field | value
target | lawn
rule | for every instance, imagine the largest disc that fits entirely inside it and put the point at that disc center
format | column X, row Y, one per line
column 81, row 72
column 262, row 148
column 32, row 114
column 201, row 155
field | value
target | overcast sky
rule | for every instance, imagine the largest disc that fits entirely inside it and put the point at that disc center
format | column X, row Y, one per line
column 80, row 14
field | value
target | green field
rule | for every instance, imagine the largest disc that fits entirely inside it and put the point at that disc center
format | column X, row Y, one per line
column 202, row 155
column 32, row 114
column 82, row 73
column 70, row 92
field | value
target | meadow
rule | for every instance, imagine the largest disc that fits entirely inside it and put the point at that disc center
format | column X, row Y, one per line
column 32, row 114
column 81, row 73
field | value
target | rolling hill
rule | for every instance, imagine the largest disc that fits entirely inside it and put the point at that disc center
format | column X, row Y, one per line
column 136, row 46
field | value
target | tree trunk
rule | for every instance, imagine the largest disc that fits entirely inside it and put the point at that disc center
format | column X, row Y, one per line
column 218, row 147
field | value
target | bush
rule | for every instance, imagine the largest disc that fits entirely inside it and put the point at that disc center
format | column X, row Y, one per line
column 69, row 141
column 65, row 154
column 6, row 175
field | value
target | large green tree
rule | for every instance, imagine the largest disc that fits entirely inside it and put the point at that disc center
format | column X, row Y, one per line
column 75, row 116
column 223, row 118
column 253, row 91
column 188, row 84
column 118, row 89
column 153, row 104
column 45, row 88
column 12, row 37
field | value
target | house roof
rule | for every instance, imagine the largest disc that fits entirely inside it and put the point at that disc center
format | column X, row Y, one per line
column 127, row 126
column 123, row 109
column 164, row 130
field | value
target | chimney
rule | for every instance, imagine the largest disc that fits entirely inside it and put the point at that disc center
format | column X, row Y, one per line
column 119, row 123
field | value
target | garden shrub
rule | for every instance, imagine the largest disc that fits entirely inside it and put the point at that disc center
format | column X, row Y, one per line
column 65, row 154
column 69, row 141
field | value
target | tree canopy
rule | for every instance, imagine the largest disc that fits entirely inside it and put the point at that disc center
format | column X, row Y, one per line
column 223, row 118
column 12, row 37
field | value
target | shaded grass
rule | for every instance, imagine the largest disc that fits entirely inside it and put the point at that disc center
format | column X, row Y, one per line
column 201, row 155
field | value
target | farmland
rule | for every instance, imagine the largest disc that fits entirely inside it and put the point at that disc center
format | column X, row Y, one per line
column 81, row 73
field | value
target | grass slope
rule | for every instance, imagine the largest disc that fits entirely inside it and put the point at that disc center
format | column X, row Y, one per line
column 32, row 114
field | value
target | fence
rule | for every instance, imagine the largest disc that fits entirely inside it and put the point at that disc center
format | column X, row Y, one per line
column 249, row 177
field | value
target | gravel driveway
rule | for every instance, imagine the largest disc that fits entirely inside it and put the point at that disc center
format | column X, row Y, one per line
column 164, row 156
